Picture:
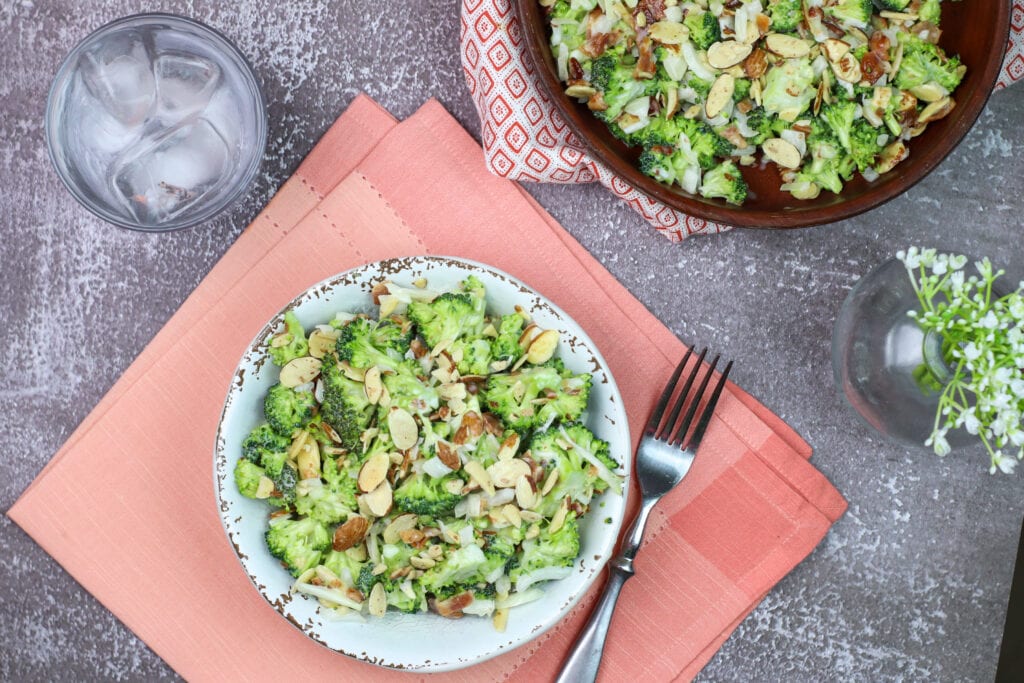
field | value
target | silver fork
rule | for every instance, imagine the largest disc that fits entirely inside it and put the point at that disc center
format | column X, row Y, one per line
column 663, row 459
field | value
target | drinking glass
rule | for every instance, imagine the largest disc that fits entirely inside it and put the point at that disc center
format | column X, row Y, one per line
column 156, row 122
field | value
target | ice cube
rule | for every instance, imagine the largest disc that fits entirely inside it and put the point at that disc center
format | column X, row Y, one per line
column 184, row 84
column 164, row 176
column 119, row 75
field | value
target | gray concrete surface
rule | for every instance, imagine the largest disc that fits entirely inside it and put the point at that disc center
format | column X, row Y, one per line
column 911, row 584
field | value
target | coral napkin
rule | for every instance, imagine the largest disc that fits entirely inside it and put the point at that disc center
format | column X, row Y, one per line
column 526, row 139
column 127, row 507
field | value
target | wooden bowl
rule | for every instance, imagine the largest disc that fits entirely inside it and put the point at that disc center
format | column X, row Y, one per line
column 977, row 31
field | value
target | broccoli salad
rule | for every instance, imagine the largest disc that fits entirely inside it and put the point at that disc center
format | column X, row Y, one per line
column 823, row 88
column 429, row 458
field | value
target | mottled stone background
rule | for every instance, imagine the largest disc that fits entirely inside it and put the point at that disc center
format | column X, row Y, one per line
column 911, row 584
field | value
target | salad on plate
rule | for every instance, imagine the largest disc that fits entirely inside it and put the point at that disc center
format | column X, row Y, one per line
column 432, row 457
column 822, row 89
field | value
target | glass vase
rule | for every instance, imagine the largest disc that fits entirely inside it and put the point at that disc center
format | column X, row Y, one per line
column 885, row 366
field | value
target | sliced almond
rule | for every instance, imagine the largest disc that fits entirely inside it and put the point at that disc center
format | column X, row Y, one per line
column 388, row 305
column 549, row 483
column 788, row 47
column 898, row 16
column 448, row 456
column 308, row 460
column 378, row 603
column 669, row 32
column 500, row 619
column 372, row 385
column 478, row 474
column 300, row 371
column 847, row 68
column 527, row 335
column 351, row 533
column 399, row 524
column 543, row 346
column 936, row 110
column 451, row 390
column 783, row 153
column 511, row 513
column 373, row 471
column 727, row 53
column 929, row 92
column 579, row 90
column 525, row 495
column 530, row 516
column 558, row 520
column 403, row 428
column 719, row 96
column 470, row 427
column 321, row 343
column 506, row 473
column 412, row 536
column 533, row 531
column 421, row 562
column 890, row 156
column 835, row 49
column 454, row 485
column 378, row 501
column 509, row 447
column 354, row 374
column 264, row 488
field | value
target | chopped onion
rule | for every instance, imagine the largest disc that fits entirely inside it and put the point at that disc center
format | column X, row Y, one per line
column 870, row 174
column 495, row 574
column 328, row 594
column 688, row 94
column 501, row 497
column 674, row 63
column 521, row 597
column 344, row 317
column 697, row 65
column 795, row 138
column 602, row 470
column 502, row 585
column 882, row 140
column 691, row 179
column 563, row 62
column 740, row 24
column 674, row 13
column 435, row 468
column 460, row 509
column 318, row 391
column 466, row 533
column 819, row 65
column 638, row 107
column 308, row 386
column 479, row 608
column 603, row 24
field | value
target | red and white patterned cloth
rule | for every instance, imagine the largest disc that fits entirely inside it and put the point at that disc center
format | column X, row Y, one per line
column 525, row 139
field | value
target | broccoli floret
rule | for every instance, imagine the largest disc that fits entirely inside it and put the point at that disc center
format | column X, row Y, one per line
column 558, row 549
column 726, row 182
column 392, row 335
column 357, row 344
column 460, row 566
column 741, row 89
column 449, row 317
column 661, row 132
column 340, row 481
column 786, row 15
column 892, row 5
column 788, row 90
column 657, row 165
column 925, row 62
column 425, row 495
column 300, row 544
column 572, row 23
column 851, row 12
column 475, row 356
column 828, row 166
column 284, row 487
column 323, row 504
column 499, row 552
column 612, row 74
column 930, row 10
column 573, row 450
column 366, row 579
column 247, row 477
column 408, row 392
column 700, row 85
column 289, row 344
column 287, row 410
column 344, row 567
column 839, row 117
column 533, row 395
column 864, row 147
column 704, row 28
column 705, row 142
column 266, row 448
column 345, row 406
column 505, row 347
column 765, row 126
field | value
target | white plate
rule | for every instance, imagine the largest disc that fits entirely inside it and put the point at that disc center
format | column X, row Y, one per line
column 420, row 642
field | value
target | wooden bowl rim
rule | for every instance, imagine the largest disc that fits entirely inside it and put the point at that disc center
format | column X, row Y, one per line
column 536, row 56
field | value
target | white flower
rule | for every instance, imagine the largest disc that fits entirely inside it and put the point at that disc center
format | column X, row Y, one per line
column 938, row 442
column 957, row 261
column 972, row 352
column 969, row 421
column 911, row 258
column 1005, row 464
column 940, row 266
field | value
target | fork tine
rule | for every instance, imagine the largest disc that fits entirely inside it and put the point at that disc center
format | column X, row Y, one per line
column 680, row 435
column 659, row 409
column 709, row 409
column 666, row 429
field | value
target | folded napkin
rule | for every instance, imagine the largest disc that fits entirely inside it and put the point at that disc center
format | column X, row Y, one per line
column 127, row 507
column 526, row 139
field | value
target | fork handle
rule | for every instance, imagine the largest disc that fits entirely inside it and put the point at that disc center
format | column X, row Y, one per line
column 583, row 662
